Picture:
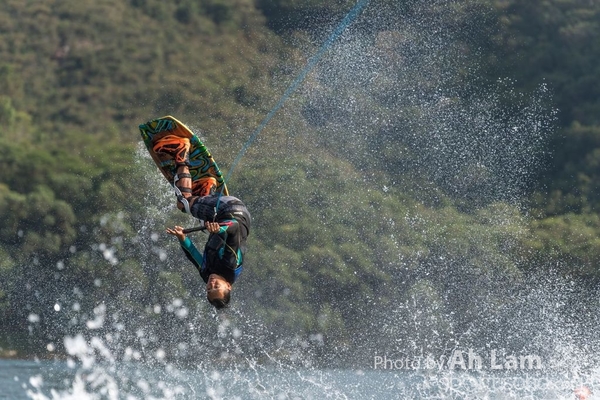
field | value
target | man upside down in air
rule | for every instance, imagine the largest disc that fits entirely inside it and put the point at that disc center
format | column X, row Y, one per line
column 226, row 218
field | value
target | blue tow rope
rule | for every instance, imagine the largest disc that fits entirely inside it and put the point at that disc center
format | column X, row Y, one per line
column 350, row 17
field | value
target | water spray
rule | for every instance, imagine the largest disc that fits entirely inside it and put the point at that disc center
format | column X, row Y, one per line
column 347, row 21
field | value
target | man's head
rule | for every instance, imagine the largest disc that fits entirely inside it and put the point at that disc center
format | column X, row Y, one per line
column 218, row 291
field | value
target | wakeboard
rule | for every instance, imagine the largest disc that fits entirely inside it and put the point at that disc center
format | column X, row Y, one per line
column 206, row 175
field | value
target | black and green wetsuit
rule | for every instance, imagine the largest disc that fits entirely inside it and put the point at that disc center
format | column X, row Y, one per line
column 224, row 251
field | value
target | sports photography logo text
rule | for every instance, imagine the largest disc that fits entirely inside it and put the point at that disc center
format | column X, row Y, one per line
column 460, row 360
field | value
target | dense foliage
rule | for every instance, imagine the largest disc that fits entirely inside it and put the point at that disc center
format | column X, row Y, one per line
column 442, row 156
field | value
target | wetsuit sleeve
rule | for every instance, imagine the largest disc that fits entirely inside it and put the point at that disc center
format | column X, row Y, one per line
column 192, row 253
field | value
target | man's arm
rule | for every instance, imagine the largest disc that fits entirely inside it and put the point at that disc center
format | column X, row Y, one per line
column 191, row 252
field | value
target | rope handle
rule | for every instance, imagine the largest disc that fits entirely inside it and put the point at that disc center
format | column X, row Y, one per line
column 194, row 229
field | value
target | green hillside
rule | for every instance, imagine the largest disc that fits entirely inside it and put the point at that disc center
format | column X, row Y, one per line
column 418, row 174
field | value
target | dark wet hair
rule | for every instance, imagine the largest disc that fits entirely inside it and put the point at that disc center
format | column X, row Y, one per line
column 220, row 303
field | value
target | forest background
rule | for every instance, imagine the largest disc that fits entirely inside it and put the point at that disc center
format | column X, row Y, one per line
column 431, row 184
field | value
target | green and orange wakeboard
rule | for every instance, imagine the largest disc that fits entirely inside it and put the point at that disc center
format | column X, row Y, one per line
column 206, row 175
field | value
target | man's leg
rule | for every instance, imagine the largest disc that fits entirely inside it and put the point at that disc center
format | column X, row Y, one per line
column 183, row 188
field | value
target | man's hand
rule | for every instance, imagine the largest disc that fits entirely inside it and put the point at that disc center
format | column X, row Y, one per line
column 212, row 227
column 177, row 231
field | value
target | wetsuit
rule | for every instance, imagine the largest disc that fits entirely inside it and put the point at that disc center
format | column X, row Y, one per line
column 224, row 251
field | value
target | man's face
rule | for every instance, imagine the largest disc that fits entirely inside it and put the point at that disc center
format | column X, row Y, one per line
column 216, row 287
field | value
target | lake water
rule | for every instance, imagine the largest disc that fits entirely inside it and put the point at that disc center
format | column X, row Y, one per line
column 41, row 380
